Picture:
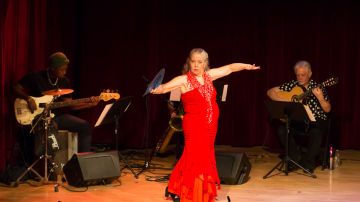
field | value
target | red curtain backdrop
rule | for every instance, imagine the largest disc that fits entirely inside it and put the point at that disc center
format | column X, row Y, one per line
column 116, row 44
column 23, row 25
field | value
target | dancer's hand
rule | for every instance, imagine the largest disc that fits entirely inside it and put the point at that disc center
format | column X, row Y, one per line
column 157, row 90
column 251, row 67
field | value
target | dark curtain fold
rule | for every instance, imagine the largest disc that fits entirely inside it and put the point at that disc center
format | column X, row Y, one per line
column 121, row 44
column 22, row 50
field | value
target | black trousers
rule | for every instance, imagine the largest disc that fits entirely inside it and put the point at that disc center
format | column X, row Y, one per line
column 313, row 131
column 80, row 126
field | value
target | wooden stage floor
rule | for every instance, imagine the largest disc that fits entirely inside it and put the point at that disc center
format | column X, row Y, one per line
column 341, row 184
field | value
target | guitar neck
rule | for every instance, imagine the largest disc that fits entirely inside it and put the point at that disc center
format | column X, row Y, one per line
column 56, row 105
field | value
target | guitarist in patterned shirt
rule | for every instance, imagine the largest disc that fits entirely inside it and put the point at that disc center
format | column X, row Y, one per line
column 318, row 103
column 34, row 84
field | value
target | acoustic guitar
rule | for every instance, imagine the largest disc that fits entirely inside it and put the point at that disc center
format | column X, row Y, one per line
column 24, row 116
column 300, row 94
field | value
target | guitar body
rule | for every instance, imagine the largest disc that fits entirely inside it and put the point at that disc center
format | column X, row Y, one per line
column 288, row 96
column 22, row 112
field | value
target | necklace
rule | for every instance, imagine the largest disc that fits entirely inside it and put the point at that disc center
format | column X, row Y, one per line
column 49, row 79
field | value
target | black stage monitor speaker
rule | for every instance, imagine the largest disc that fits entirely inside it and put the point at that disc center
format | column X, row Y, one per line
column 85, row 169
column 233, row 168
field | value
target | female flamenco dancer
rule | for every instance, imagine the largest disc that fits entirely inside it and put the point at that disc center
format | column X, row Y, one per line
column 195, row 176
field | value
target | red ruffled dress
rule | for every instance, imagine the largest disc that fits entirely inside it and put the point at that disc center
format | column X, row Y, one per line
column 195, row 176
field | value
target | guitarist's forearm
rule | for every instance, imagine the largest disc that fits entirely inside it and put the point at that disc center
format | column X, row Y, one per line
column 325, row 105
column 273, row 94
column 20, row 92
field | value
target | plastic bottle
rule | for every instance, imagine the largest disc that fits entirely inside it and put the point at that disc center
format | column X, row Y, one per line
column 337, row 160
column 331, row 161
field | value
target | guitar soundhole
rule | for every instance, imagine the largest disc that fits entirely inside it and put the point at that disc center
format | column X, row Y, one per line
column 295, row 98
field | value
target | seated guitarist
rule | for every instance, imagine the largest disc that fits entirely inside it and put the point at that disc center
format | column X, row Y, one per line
column 33, row 84
column 319, row 104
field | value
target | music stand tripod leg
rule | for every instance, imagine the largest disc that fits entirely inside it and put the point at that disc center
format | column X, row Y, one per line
column 277, row 166
column 285, row 161
column 304, row 169
column 28, row 169
column 287, row 156
column 126, row 162
column 285, row 111
column 147, row 162
column 127, row 165
column 148, row 156
column 121, row 157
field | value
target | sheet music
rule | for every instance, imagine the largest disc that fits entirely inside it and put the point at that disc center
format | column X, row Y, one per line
column 103, row 114
column 224, row 93
column 175, row 95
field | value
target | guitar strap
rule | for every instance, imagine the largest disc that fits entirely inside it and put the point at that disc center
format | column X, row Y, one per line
column 304, row 102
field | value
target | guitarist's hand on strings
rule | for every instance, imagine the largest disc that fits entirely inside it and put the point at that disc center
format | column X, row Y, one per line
column 318, row 93
column 31, row 104
column 325, row 105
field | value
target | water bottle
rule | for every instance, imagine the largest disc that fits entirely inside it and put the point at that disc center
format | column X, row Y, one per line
column 337, row 161
column 331, row 161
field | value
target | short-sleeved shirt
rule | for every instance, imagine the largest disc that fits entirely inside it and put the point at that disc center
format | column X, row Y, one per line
column 312, row 101
column 37, row 82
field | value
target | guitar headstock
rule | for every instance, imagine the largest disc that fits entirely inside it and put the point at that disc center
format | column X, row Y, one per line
column 330, row 81
column 107, row 95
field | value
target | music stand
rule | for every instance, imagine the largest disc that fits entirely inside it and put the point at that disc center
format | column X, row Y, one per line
column 112, row 113
column 156, row 82
column 287, row 111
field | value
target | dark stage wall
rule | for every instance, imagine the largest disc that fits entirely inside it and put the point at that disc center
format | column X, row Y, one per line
column 115, row 44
